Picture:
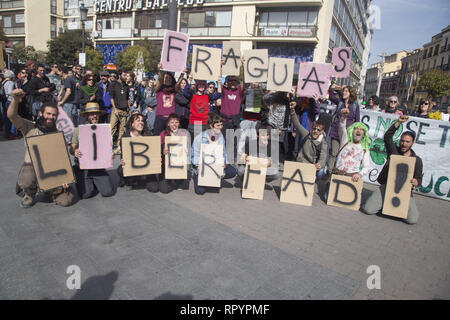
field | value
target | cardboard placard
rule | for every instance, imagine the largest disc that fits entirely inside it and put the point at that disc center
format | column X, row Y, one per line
column 64, row 124
column 231, row 54
column 281, row 74
column 210, row 169
column 398, row 186
column 176, row 158
column 314, row 78
column 142, row 155
column 174, row 51
column 344, row 192
column 95, row 143
column 256, row 65
column 51, row 161
column 254, row 178
column 342, row 58
column 297, row 183
column 206, row 63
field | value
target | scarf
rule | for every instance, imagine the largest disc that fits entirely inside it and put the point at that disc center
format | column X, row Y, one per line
column 90, row 91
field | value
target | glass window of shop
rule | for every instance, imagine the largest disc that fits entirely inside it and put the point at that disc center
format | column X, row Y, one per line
column 206, row 22
column 108, row 23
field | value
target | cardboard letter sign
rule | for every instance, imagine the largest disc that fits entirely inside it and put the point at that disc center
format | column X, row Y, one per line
column 281, row 74
column 256, row 65
column 314, row 78
column 344, row 192
column 206, row 63
column 398, row 186
column 51, row 162
column 176, row 158
column 142, row 156
column 174, row 51
column 64, row 124
column 254, row 178
column 297, row 184
column 342, row 58
column 231, row 54
column 210, row 169
column 95, row 143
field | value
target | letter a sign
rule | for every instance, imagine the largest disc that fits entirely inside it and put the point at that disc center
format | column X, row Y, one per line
column 314, row 78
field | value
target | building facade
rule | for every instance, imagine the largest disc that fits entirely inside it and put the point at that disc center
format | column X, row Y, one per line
column 409, row 79
column 305, row 30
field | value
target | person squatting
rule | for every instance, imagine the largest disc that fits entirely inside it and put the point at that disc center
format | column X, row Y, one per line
column 276, row 126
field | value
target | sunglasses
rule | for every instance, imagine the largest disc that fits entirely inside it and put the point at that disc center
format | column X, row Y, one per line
column 392, row 101
column 211, row 87
column 316, row 129
column 426, row 103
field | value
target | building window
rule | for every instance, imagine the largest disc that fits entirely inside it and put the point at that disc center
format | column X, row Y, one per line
column 288, row 22
column 53, row 6
column 53, row 27
column 206, row 23
column 8, row 4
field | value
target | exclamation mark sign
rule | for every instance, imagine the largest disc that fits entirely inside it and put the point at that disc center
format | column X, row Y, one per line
column 94, row 141
column 400, row 180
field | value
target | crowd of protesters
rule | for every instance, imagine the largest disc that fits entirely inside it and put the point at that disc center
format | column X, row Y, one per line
column 163, row 105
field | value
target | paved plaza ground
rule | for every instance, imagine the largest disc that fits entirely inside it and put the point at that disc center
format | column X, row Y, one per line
column 139, row 245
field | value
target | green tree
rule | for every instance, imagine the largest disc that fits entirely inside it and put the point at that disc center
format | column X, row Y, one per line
column 94, row 60
column 3, row 37
column 155, row 54
column 63, row 50
column 436, row 83
column 23, row 53
column 126, row 60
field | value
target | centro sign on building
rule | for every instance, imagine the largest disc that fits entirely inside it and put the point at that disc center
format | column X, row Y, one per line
column 106, row 6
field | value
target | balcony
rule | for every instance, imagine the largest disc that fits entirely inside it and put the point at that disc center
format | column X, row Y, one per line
column 295, row 32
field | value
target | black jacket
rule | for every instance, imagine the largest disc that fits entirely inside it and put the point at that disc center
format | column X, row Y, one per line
column 35, row 84
column 182, row 106
column 391, row 148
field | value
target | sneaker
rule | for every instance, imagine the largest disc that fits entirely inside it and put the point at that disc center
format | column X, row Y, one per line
column 27, row 201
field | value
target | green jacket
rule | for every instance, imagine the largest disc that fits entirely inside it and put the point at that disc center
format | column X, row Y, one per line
column 311, row 151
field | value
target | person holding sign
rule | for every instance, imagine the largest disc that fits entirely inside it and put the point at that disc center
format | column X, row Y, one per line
column 136, row 128
column 212, row 135
column 165, row 99
column 199, row 104
column 94, row 179
column 172, row 129
column 263, row 150
column 230, row 109
column 353, row 158
column 119, row 92
column 374, row 203
column 46, row 123
column 313, row 148
column 348, row 102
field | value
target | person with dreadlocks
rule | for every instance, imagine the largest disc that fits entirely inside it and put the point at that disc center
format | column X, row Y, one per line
column 165, row 99
column 353, row 158
column 27, row 186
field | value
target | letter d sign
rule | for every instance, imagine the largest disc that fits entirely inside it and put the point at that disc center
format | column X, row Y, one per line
column 74, row 280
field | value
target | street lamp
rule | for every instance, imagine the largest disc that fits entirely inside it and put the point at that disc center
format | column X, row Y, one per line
column 83, row 18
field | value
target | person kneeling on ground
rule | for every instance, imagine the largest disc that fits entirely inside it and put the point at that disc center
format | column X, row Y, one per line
column 313, row 147
column 374, row 203
column 172, row 129
column 27, row 187
column 353, row 156
column 263, row 148
column 210, row 136
column 92, row 179
column 136, row 128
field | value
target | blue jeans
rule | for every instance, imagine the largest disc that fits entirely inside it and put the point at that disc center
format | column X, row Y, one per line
column 36, row 106
column 229, row 172
column 72, row 112
column 320, row 174
column 151, row 116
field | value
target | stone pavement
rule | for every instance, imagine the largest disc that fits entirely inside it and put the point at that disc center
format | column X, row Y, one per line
column 138, row 245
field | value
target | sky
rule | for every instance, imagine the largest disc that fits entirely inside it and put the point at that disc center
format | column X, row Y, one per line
column 407, row 25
